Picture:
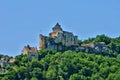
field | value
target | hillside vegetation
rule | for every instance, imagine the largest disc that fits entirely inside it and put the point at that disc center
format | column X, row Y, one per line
column 68, row 65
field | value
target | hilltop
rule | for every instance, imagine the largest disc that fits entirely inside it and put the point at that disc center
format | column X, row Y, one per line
column 68, row 65
column 61, row 56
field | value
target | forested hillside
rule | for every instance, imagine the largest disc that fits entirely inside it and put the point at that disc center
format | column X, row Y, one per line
column 68, row 65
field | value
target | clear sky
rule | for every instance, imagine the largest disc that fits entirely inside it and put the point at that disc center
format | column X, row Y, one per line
column 21, row 21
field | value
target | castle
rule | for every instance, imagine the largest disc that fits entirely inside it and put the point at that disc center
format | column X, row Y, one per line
column 61, row 40
column 58, row 39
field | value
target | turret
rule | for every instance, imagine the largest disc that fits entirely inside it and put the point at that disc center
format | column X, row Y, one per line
column 57, row 28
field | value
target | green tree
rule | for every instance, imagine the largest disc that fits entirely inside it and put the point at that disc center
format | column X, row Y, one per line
column 75, row 77
column 51, row 74
column 33, row 78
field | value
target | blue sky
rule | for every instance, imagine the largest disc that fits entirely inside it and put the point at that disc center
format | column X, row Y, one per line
column 21, row 21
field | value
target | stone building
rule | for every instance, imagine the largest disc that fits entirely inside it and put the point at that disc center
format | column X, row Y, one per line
column 11, row 60
column 94, row 44
column 6, row 60
column 58, row 39
column 95, row 47
column 31, row 52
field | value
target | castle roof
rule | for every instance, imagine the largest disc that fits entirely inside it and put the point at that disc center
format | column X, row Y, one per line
column 57, row 28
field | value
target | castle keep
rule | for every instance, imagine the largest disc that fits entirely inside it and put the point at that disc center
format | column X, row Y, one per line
column 58, row 39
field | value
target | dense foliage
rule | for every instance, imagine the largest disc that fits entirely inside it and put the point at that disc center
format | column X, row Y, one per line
column 68, row 65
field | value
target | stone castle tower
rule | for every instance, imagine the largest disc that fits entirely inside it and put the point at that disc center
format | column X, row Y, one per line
column 58, row 39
